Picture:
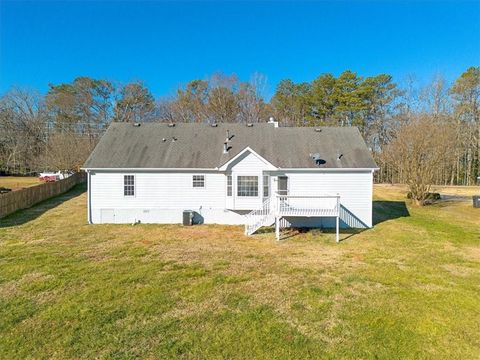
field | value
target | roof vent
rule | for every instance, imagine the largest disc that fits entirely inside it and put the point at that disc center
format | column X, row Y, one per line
column 136, row 124
column 317, row 159
column 174, row 139
column 171, row 125
column 225, row 144
column 340, row 156
column 272, row 121
column 318, row 130
column 214, row 125
column 164, row 139
column 249, row 125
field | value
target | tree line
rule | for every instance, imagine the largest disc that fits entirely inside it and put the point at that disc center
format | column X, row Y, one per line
column 441, row 121
column 58, row 130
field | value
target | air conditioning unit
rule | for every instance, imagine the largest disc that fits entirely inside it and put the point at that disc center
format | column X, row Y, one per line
column 188, row 217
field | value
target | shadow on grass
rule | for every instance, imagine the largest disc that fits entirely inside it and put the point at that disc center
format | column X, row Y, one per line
column 382, row 211
column 297, row 231
column 23, row 216
column 388, row 210
column 291, row 232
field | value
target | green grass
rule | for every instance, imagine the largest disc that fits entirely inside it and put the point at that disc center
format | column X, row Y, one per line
column 408, row 288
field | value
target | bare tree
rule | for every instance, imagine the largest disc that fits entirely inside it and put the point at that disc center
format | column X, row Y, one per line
column 222, row 105
column 418, row 149
column 22, row 129
column 435, row 96
column 190, row 104
column 251, row 107
column 466, row 96
column 66, row 151
column 165, row 110
column 409, row 99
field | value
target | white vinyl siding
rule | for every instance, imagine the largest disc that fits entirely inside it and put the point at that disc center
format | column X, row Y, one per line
column 247, row 165
column 355, row 190
column 161, row 196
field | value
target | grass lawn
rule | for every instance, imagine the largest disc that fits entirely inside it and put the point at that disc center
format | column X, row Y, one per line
column 18, row 182
column 408, row 288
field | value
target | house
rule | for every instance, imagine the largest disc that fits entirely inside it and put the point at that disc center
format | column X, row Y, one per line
column 255, row 174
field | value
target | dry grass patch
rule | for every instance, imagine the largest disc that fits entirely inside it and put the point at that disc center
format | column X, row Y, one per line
column 457, row 190
column 18, row 182
column 397, row 190
column 459, row 270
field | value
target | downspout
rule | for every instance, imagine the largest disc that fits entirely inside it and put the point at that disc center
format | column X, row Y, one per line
column 89, row 206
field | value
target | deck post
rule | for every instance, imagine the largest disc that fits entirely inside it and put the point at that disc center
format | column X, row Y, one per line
column 337, row 235
column 277, row 227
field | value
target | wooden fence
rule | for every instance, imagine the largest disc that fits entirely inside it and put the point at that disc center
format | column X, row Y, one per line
column 25, row 198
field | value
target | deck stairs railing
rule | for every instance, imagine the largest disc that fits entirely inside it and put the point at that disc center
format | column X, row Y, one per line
column 280, row 206
column 263, row 216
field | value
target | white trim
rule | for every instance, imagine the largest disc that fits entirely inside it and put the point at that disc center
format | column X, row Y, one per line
column 329, row 169
column 89, row 198
column 151, row 169
column 224, row 166
column 220, row 169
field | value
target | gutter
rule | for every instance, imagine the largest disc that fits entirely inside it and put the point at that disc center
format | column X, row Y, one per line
column 89, row 198
column 149, row 169
column 330, row 169
column 218, row 169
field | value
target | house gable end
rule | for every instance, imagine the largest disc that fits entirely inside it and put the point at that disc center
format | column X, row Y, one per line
column 247, row 153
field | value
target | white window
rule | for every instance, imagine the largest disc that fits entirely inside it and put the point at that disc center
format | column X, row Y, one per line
column 247, row 185
column 229, row 185
column 266, row 186
column 129, row 185
column 198, row 181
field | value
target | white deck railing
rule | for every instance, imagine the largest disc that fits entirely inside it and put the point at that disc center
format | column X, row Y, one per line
column 308, row 206
column 280, row 206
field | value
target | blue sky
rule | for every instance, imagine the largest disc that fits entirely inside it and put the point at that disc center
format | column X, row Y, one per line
column 169, row 43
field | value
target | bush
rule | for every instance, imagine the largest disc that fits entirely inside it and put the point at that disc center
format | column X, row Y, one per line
column 428, row 197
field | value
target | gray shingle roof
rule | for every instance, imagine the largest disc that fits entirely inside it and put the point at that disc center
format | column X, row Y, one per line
column 201, row 146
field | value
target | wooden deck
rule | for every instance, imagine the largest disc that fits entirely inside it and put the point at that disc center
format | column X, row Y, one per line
column 279, row 206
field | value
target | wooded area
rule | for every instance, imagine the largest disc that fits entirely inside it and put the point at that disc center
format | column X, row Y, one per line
column 415, row 132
